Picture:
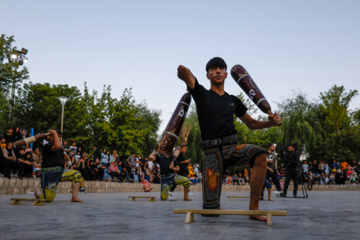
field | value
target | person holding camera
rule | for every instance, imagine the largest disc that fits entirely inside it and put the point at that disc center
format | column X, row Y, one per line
column 292, row 169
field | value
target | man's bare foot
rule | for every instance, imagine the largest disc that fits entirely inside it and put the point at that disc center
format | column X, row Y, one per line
column 258, row 218
column 270, row 199
column 187, row 199
column 37, row 194
column 76, row 200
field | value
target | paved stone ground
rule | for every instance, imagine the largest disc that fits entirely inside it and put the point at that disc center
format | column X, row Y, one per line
column 324, row 215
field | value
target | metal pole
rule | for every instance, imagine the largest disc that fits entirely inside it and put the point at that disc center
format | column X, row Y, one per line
column 62, row 117
column 12, row 99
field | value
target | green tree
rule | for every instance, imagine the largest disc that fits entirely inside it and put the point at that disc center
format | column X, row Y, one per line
column 11, row 75
column 299, row 124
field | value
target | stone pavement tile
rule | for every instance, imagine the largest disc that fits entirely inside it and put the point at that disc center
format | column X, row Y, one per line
column 324, row 215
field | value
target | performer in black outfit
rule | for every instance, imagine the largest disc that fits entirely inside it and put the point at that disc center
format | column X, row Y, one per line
column 216, row 109
column 184, row 170
column 292, row 160
column 53, row 172
column 168, row 177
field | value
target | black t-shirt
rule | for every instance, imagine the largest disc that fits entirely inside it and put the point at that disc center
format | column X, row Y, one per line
column 51, row 158
column 184, row 171
column 10, row 138
column 165, row 164
column 215, row 112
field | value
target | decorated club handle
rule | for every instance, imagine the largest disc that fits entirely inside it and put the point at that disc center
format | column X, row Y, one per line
column 26, row 141
column 244, row 80
column 173, row 128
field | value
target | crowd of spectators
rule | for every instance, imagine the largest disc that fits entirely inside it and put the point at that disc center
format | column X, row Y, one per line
column 106, row 165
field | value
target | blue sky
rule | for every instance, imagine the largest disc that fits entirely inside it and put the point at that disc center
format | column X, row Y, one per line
column 286, row 46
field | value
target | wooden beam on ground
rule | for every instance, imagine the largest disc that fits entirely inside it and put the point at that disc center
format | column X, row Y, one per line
column 151, row 199
column 36, row 202
column 231, row 197
column 190, row 213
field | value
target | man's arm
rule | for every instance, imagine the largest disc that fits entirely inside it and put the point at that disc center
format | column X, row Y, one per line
column 185, row 161
column 57, row 143
column 152, row 156
column 186, row 75
column 255, row 124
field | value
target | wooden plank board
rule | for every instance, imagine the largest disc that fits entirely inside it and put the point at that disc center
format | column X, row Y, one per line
column 231, row 197
column 151, row 199
column 190, row 213
column 36, row 202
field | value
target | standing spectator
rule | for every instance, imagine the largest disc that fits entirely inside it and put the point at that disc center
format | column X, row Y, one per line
column 96, row 153
column 315, row 168
column 17, row 134
column 23, row 134
column 272, row 163
column 344, row 165
column 2, row 142
column 131, row 161
column 335, row 165
column 73, row 148
column 327, row 169
column 111, row 159
column 66, row 146
column 9, row 136
column 104, row 158
column 321, row 167
column 196, row 168
column 305, row 169
column 116, row 157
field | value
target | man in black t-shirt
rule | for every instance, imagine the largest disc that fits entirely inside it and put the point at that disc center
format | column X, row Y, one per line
column 216, row 109
column 292, row 160
column 53, row 172
column 184, row 170
column 168, row 167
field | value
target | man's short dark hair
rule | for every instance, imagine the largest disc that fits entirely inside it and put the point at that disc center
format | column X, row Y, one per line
column 270, row 144
column 216, row 62
column 183, row 146
column 58, row 131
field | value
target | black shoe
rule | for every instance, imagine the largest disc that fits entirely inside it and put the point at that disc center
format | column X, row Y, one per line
column 261, row 198
column 282, row 195
column 295, row 196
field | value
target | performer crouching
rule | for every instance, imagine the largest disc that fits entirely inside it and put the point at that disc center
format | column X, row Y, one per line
column 52, row 171
column 168, row 167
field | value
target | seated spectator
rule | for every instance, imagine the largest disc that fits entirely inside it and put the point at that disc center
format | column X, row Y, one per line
column 235, row 179
column 241, row 179
column 340, row 177
column 9, row 160
column 134, row 173
column 98, row 170
column 317, row 177
column 107, row 177
column 327, row 179
column 353, row 177
column 113, row 171
column 332, row 178
column 37, row 157
column 348, row 173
